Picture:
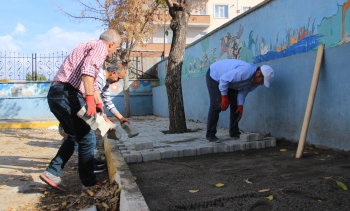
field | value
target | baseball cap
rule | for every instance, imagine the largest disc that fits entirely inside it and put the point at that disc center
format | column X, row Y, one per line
column 268, row 74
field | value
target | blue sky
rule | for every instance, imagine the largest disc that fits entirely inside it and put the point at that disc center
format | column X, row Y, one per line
column 37, row 26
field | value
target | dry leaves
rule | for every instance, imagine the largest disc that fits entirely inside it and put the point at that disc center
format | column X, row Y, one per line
column 193, row 191
column 264, row 190
column 219, row 185
column 247, row 181
column 270, row 197
column 342, row 185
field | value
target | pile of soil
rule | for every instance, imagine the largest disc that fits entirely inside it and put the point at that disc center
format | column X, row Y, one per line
column 254, row 180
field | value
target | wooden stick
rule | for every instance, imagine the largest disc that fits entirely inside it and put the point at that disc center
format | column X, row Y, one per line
column 310, row 101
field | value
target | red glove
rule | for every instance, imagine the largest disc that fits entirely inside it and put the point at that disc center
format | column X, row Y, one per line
column 224, row 102
column 90, row 104
column 99, row 108
column 240, row 110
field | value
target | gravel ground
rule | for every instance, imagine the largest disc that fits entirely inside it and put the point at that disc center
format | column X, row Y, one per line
column 254, row 180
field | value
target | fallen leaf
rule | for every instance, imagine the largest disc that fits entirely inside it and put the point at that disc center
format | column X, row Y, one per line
column 319, row 200
column 264, row 190
column 316, row 153
column 90, row 192
column 247, row 181
column 114, row 199
column 119, row 189
column 105, row 205
column 64, row 203
column 270, row 197
column 328, row 156
column 342, row 185
column 326, row 178
column 219, row 185
column 193, row 191
column 323, row 159
column 283, row 150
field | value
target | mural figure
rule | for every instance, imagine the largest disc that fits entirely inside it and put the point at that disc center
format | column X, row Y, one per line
column 346, row 6
column 232, row 45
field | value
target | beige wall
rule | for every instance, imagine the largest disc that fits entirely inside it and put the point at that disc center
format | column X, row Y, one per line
column 194, row 31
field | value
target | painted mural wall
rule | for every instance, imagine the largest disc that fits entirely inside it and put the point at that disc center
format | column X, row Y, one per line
column 283, row 34
column 28, row 99
column 273, row 30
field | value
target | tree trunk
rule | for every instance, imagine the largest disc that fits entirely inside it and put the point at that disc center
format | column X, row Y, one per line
column 180, row 16
column 124, row 57
column 126, row 94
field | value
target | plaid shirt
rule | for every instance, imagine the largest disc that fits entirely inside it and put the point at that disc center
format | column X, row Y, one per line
column 85, row 59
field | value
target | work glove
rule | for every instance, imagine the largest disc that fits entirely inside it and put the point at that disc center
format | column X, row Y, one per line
column 224, row 102
column 90, row 104
column 240, row 110
column 99, row 108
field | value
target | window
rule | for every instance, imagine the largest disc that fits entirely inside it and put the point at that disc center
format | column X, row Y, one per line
column 169, row 38
column 221, row 11
column 244, row 9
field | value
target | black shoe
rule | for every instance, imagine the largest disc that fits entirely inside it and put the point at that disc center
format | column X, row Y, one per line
column 235, row 135
column 99, row 163
column 214, row 139
column 98, row 169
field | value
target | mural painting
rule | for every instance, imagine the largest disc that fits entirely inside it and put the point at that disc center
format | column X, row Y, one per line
column 35, row 89
column 249, row 45
column 13, row 89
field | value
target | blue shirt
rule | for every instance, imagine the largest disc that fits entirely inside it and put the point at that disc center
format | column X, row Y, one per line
column 234, row 74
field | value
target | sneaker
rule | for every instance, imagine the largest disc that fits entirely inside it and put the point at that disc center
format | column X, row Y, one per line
column 53, row 181
column 86, row 190
column 99, row 163
column 98, row 169
column 214, row 139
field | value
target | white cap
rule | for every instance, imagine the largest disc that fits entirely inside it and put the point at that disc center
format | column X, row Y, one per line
column 268, row 74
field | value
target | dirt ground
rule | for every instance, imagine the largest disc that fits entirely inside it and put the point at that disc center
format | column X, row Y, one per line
column 24, row 155
column 253, row 180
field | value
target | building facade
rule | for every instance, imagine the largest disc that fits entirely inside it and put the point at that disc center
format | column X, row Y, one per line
column 214, row 14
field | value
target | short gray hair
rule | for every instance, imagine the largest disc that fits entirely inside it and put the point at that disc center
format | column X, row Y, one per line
column 110, row 35
column 115, row 67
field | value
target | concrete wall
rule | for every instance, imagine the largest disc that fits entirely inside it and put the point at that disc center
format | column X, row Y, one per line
column 286, row 39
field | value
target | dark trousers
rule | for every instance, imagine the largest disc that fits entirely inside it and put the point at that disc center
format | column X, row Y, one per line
column 65, row 101
column 214, row 109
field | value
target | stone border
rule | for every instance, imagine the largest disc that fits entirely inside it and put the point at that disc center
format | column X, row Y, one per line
column 131, row 198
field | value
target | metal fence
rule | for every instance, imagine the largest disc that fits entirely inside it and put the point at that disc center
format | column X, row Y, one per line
column 35, row 67
column 43, row 67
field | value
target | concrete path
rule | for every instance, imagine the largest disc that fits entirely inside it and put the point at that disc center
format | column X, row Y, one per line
column 153, row 144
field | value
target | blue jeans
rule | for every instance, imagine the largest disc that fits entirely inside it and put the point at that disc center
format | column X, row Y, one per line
column 65, row 101
column 214, row 108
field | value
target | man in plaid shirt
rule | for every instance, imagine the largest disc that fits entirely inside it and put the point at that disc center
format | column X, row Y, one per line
column 74, row 86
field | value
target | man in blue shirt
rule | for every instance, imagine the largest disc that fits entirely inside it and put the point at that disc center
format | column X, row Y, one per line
column 229, row 81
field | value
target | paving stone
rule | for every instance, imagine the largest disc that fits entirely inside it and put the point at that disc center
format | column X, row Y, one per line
column 143, row 146
column 189, row 152
column 205, row 150
column 244, row 137
column 270, row 141
column 224, row 148
column 148, row 155
column 133, row 157
column 168, row 153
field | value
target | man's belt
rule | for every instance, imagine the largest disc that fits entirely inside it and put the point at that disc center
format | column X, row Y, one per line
column 57, row 83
